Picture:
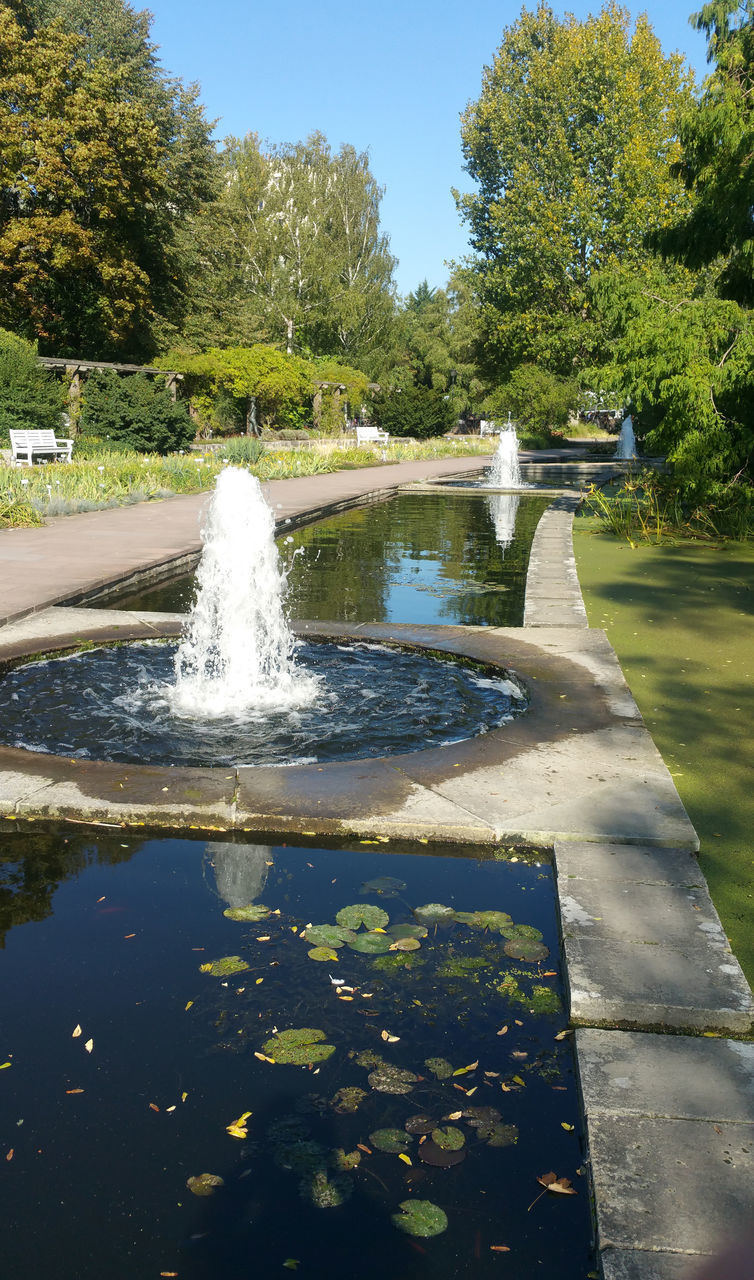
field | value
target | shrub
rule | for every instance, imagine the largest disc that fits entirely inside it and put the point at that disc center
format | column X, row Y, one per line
column 134, row 411
column 29, row 396
column 414, row 411
column 535, row 398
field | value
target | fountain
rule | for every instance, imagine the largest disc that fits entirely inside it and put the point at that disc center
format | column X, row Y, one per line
column 240, row 689
column 238, row 651
column 626, row 446
column 505, row 472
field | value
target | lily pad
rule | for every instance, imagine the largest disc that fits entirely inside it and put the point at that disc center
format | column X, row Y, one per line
column 420, row 1218
column 387, row 1079
column 405, row 944
column 204, row 1184
column 503, row 1135
column 481, row 1117
column 440, row 1067
column 434, row 913
column 252, row 913
column 484, row 919
column 224, row 967
column 392, row 1140
column 521, row 931
column 420, row 1124
column 322, row 953
column 526, row 949
column 363, row 913
column 371, row 944
column 344, row 1161
column 299, row 1046
column 327, row 935
column 324, row 1192
column 430, row 1153
column 448, row 1138
column 408, row 931
column 348, row 1099
column 386, row 886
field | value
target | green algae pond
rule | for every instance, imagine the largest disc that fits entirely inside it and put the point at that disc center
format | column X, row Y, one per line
column 229, row 1059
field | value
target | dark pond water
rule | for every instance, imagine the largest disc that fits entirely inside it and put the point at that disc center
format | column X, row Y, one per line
column 424, row 558
column 113, row 704
column 101, row 1130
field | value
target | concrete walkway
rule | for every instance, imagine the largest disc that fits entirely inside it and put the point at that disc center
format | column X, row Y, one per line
column 669, row 1116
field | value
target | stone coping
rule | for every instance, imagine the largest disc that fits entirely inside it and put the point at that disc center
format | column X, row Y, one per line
column 579, row 765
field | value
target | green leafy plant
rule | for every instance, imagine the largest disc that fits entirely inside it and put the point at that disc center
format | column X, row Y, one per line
column 136, row 411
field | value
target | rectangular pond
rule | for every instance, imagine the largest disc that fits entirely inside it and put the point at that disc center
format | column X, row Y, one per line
column 424, row 558
column 148, row 1022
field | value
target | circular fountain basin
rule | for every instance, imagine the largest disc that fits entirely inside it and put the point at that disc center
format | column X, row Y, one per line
column 112, row 703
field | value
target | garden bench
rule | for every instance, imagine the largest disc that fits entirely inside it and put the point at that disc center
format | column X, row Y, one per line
column 28, row 445
column 371, row 435
column 487, row 428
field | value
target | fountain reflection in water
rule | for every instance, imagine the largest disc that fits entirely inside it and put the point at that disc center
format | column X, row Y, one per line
column 505, row 472
column 503, row 508
column 238, row 651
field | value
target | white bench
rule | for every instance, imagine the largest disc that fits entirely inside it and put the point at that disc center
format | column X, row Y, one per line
column 38, row 443
column 488, row 428
column 371, row 435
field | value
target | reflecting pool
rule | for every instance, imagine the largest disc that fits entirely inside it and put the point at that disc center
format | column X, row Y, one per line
column 357, row 1048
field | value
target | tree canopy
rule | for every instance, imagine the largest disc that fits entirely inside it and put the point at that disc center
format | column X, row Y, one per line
column 570, row 144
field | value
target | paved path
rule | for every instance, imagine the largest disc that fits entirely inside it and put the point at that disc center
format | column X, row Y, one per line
column 73, row 555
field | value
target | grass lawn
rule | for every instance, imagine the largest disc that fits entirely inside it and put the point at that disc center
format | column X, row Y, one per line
column 680, row 620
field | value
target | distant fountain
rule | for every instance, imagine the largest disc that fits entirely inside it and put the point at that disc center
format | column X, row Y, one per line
column 238, row 651
column 505, row 472
column 626, row 446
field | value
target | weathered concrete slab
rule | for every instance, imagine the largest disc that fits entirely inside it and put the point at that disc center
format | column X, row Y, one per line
column 670, row 1130
column 553, row 593
column 643, row 944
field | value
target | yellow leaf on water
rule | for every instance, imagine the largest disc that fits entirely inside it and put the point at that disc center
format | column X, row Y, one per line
column 406, row 1159
column 89, row 1046
column 184, row 1097
column 518, row 1080
column 259, row 980
column 568, row 1127
column 76, row 1031
column 3, row 1065
column 188, row 1006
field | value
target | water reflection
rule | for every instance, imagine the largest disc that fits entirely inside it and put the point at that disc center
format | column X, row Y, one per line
column 240, row 870
column 503, row 512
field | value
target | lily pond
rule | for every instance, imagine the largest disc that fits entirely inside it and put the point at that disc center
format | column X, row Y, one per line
column 426, row 558
column 222, row 1060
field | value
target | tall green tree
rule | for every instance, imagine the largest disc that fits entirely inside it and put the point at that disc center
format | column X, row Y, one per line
column 101, row 158
column 717, row 161
column 570, row 144
column 292, row 253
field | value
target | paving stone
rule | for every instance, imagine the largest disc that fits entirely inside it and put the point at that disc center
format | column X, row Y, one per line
column 670, row 915
column 625, row 984
column 641, row 1264
column 676, row 1077
column 675, row 1185
column 636, row 864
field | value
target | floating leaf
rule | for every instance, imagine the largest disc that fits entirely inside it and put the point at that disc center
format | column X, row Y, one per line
column 420, row 1218
column 448, row 1138
column 420, row 1124
column 224, row 967
column 387, row 886
column 434, row 913
column 344, row 1161
column 324, row 1192
column 76, row 1031
column 551, row 1182
column 501, row 1135
column 391, row 1140
column 322, row 953
column 430, row 1153
column 327, row 935
column 299, row 1046
column 387, row 1079
column 526, row 949
column 237, row 1128
column 370, row 944
column 522, row 931
column 89, row 1046
column 440, row 1067
column 408, row 930
column 363, row 913
column 388, row 1037
column 405, row 944
column 204, row 1184
column 250, row 914
column 495, row 920
column 348, row 1099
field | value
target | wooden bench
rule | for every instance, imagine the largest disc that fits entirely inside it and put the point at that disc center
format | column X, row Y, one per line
column 371, row 435
column 38, row 443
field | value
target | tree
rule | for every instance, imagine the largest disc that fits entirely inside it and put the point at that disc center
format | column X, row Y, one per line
column 292, row 253
column 536, row 398
column 570, row 143
column 30, row 398
column 134, row 412
column 717, row 162
column 100, row 158
column 415, row 411
column 268, row 387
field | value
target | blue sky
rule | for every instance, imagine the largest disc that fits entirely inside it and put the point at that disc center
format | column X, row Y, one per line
column 391, row 78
